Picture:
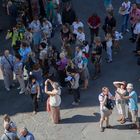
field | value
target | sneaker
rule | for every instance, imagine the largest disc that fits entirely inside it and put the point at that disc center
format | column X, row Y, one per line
column 18, row 88
column 34, row 112
column 21, row 92
column 74, row 103
column 109, row 61
column 101, row 129
column 138, row 131
column 127, row 30
column 8, row 89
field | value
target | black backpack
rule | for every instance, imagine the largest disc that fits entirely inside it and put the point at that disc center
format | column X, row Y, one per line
column 109, row 104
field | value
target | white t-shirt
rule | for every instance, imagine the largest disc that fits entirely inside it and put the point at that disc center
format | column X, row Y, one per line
column 127, row 6
column 137, row 29
column 86, row 49
column 101, row 99
column 47, row 28
column 76, row 25
column 35, row 26
column 56, row 100
column 80, row 36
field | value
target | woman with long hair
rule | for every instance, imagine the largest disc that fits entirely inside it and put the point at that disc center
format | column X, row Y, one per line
column 54, row 100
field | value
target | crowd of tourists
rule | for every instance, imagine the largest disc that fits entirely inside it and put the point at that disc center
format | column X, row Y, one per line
column 43, row 65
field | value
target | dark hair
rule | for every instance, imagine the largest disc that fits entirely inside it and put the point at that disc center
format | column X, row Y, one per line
column 18, row 56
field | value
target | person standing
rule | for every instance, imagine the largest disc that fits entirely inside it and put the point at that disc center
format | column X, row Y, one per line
column 105, row 108
column 54, row 100
column 124, row 11
column 7, row 65
column 8, row 134
column 96, row 57
column 120, row 103
column 34, row 89
column 18, row 69
column 75, row 86
column 133, row 106
column 94, row 23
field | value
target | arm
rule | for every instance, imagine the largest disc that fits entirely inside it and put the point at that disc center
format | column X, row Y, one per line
column 117, row 83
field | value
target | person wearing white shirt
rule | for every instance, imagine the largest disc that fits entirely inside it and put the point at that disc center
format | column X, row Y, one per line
column 104, row 111
column 80, row 36
column 109, row 44
column 125, row 7
column 36, row 29
column 76, row 24
column 47, row 28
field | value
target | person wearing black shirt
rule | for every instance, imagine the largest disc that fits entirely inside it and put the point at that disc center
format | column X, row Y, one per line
column 96, row 56
column 109, row 24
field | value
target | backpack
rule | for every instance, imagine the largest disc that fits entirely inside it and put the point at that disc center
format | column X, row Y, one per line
column 109, row 104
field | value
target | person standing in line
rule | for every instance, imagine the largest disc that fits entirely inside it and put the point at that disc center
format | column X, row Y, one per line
column 54, row 100
column 120, row 103
column 97, row 56
column 133, row 106
column 75, row 86
column 94, row 23
column 7, row 65
column 26, row 134
column 124, row 11
column 109, row 44
column 105, row 107
column 18, row 69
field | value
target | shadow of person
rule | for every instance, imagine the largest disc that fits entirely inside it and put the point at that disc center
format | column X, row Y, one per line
column 81, row 119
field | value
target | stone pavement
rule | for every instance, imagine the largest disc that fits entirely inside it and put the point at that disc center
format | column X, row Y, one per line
column 82, row 122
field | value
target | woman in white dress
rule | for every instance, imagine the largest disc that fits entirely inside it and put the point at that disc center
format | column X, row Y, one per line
column 54, row 100
column 120, row 103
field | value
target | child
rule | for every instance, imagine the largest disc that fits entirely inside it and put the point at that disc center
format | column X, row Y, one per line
column 109, row 44
column 116, row 38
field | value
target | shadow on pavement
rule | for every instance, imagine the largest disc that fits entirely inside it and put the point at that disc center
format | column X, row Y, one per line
column 81, row 119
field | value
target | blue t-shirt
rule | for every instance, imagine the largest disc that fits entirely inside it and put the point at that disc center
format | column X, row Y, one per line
column 133, row 101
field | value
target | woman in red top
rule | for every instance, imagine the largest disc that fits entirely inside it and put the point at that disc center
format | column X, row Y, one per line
column 94, row 24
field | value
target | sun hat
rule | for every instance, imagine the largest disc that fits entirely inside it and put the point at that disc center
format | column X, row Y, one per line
column 129, row 86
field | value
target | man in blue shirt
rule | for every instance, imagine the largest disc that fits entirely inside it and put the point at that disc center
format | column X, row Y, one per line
column 24, row 133
column 133, row 105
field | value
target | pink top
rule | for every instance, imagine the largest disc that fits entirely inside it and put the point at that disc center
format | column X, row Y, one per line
column 121, row 91
column 134, row 16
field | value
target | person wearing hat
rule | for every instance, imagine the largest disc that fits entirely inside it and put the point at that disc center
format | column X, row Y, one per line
column 26, row 134
column 18, row 69
column 120, row 103
column 54, row 100
column 133, row 106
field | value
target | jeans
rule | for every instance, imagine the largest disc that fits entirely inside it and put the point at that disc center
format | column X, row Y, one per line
column 35, row 102
column 76, row 94
column 125, row 19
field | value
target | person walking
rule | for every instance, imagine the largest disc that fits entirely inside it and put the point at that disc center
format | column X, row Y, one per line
column 120, row 103
column 133, row 106
column 106, row 107
column 7, row 65
column 54, row 100
column 18, row 69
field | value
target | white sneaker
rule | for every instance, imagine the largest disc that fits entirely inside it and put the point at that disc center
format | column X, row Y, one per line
column 8, row 89
column 74, row 103
column 21, row 92
column 127, row 30
column 18, row 88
